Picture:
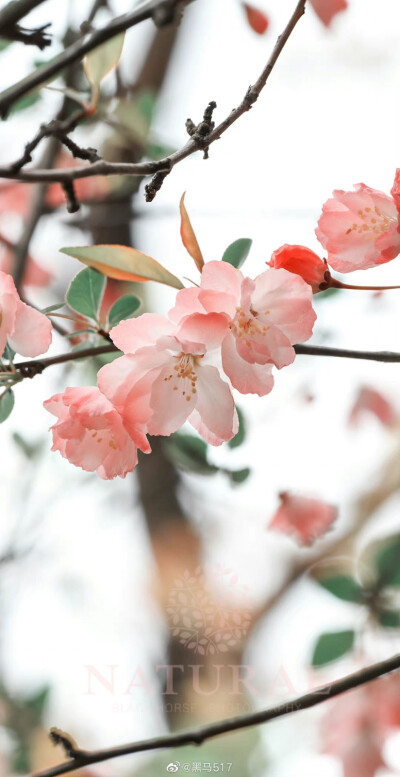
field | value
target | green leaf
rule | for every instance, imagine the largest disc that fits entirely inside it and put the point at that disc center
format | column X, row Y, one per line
column 4, row 44
column 38, row 701
column 343, row 587
column 189, row 453
column 123, row 264
column 6, row 405
column 25, row 102
column 387, row 562
column 389, row 619
column 81, row 332
column 124, row 307
column 238, row 439
column 331, row 646
column 86, row 293
column 52, row 308
column 237, row 252
column 102, row 60
column 238, row 475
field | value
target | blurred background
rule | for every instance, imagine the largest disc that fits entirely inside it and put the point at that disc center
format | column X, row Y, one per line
column 109, row 591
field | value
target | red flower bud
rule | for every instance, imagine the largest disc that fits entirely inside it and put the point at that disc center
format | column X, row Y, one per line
column 301, row 261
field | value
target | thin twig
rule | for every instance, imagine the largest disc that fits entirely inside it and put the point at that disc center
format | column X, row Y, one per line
column 163, row 167
column 161, row 9
column 201, row 734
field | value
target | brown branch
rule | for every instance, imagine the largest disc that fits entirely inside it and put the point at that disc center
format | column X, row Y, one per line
column 31, row 368
column 201, row 734
column 198, row 140
column 162, row 11
column 14, row 11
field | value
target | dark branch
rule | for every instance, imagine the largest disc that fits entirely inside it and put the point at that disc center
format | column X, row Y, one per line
column 199, row 735
column 14, row 11
column 31, row 368
column 81, row 47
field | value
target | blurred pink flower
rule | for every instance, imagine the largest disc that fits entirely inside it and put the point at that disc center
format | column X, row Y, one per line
column 171, row 367
column 26, row 330
column 304, row 518
column 90, row 433
column 359, row 229
column 371, row 401
column 265, row 317
column 327, row 9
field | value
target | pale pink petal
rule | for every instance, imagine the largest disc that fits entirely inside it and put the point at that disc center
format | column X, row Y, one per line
column 173, row 397
column 303, row 518
column 220, row 287
column 135, row 333
column 266, row 347
column 115, row 380
column 186, row 303
column 208, row 329
column 246, row 378
column 202, row 429
column 32, row 333
column 285, row 300
column 215, row 406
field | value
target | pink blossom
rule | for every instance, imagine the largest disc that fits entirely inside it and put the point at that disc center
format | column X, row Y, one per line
column 264, row 318
column 26, row 330
column 172, row 367
column 327, row 9
column 91, row 434
column 304, row 518
column 359, row 229
column 371, row 401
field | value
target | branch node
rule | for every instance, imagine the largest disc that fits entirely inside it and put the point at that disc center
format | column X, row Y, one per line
column 70, row 194
column 66, row 741
column 200, row 132
column 155, row 184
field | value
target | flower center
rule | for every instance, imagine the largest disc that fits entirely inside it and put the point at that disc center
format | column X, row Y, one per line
column 374, row 223
column 247, row 326
column 104, row 435
column 184, row 370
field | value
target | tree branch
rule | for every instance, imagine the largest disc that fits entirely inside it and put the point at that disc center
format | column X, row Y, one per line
column 162, row 11
column 34, row 367
column 15, row 11
column 162, row 168
column 201, row 734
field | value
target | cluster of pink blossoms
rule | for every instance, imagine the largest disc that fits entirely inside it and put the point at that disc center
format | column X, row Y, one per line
column 228, row 332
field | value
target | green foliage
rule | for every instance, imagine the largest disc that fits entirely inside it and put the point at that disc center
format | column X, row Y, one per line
column 387, row 562
column 389, row 619
column 238, row 475
column 124, row 307
column 25, row 102
column 331, row 646
column 6, row 404
column 238, row 439
column 86, row 293
column 237, row 252
column 343, row 587
column 189, row 453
